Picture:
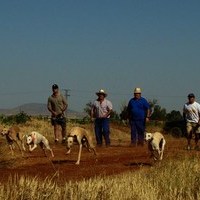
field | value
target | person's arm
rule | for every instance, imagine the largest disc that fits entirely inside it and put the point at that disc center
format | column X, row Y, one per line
column 65, row 105
column 92, row 113
column 109, row 109
column 49, row 107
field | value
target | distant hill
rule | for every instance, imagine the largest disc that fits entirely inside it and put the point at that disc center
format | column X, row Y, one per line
column 35, row 109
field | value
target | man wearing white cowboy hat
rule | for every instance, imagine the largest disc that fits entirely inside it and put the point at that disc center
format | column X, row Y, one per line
column 138, row 113
column 101, row 110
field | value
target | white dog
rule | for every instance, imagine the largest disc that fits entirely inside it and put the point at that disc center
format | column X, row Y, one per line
column 82, row 137
column 36, row 138
column 156, row 144
column 14, row 135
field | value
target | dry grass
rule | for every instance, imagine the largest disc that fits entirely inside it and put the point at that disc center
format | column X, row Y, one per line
column 171, row 180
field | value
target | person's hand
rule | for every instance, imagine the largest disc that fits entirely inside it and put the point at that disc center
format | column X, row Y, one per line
column 147, row 119
column 92, row 119
column 54, row 113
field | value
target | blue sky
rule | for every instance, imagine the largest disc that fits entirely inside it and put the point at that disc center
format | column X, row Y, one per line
column 86, row 45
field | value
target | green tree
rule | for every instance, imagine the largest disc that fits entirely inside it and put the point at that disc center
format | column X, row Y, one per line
column 152, row 104
column 158, row 113
column 174, row 116
column 124, row 113
column 88, row 108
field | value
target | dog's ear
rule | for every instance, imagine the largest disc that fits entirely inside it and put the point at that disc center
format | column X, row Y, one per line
column 75, row 137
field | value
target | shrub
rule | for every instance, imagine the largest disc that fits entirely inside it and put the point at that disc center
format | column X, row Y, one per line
column 20, row 118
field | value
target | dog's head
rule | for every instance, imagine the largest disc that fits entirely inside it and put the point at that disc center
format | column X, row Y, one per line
column 70, row 140
column 148, row 136
column 29, row 139
column 4, row 131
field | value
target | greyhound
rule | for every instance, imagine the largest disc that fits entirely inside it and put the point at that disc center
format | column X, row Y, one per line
column 82, row 137
column 156, row 144
column 13, row 135
column 36, row 138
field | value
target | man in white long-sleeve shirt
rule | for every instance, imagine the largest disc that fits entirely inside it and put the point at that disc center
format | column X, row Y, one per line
column 191, row 114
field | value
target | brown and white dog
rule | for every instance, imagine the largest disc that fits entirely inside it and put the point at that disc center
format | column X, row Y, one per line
column 13, row 135
column 156, row 144
column 82, row 137
column 36, row 138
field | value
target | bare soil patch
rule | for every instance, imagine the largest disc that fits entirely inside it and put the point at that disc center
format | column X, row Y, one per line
column 111, row 160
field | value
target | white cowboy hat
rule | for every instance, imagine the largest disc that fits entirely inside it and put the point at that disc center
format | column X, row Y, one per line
column 137, row 91
column 101, row 91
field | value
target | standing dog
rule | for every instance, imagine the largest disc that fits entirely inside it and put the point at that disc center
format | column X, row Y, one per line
column 13, row 135
column 82, row 137
column 156, row 144
column 36, row 138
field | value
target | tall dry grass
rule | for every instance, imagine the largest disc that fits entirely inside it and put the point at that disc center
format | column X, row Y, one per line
column 169, row 180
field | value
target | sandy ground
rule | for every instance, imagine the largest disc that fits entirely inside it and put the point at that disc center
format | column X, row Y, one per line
column 111, row 160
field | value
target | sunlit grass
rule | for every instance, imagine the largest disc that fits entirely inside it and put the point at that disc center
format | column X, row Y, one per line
column 175, row 178
column 170, row 180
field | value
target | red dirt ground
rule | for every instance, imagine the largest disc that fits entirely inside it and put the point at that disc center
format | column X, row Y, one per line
column 111, row 160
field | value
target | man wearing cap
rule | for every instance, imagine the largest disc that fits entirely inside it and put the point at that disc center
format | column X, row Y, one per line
column 101, row 110
column 57, row 105
column 138, row 114
column 191, row 114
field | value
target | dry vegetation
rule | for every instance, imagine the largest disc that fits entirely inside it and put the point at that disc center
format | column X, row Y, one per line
column 171, row 180
column 174, row 178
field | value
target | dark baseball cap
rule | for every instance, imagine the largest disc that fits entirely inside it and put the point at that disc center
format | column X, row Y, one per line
column 191, row 95
column 54, row 86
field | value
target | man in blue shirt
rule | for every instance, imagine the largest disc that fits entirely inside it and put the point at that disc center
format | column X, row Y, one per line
column 138, row 113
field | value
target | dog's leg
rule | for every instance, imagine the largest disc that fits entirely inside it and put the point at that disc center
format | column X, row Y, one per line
column 19, row 147
column 11, row 149
column 52, row 154
column 162, row 150
column 68, row 152
column 95, row 153
column 48, row 147
column 23, row 146
column 34, row 146
column 155, row 154
column 43, row 149
column 79, row 154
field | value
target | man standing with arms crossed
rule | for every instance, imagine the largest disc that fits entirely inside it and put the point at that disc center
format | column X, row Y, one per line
column 57, row 105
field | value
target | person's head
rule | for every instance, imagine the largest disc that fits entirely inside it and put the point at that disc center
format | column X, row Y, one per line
column 55, row 88
column 101, row 94
column 137, row 93
column 191, row 98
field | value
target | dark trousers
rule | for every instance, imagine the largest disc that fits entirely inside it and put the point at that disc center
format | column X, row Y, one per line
column 137, row 131
column 102, row 130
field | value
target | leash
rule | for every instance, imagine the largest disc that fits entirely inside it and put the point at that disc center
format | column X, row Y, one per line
column 53, row 166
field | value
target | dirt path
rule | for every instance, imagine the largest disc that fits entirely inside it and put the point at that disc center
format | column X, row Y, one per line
column 112, row 160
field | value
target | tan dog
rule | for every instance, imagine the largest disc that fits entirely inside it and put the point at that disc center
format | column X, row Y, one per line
column 82, row 137
column 13, row 135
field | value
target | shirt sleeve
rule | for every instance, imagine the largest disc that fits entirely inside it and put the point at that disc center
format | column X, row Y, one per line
column 49, row 103
column 146, row 104
column 109, row 104
column 64, row 100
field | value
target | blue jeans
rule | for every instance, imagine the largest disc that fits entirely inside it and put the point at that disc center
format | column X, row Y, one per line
column 102, row 130
column 137, row 131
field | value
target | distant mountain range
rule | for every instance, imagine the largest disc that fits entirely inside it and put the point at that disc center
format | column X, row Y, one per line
column 35, row 109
